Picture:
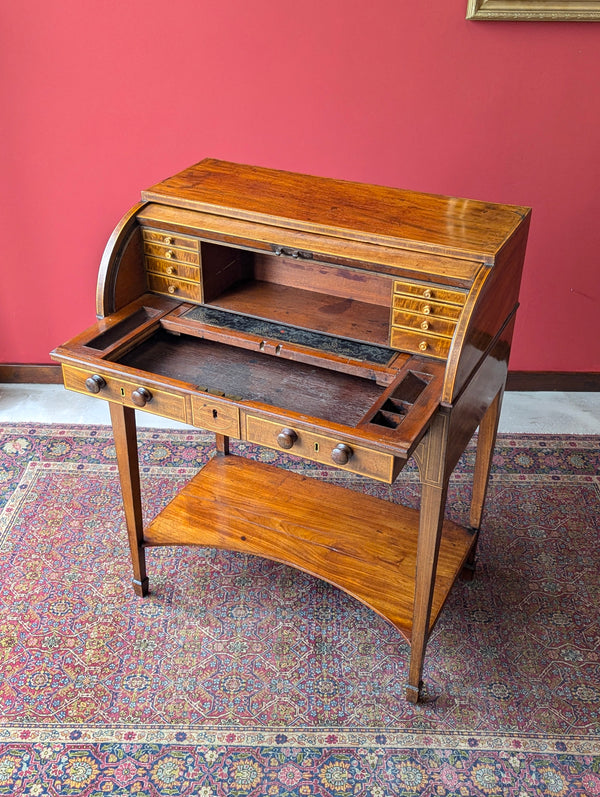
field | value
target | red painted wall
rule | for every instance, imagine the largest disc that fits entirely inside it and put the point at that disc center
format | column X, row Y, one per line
column 103, row 98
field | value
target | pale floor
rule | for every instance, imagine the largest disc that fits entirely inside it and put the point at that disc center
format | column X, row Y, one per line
column 535, row 412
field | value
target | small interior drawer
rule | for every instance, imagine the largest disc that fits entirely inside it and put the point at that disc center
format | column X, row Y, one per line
column 175, row 287
column 319, row 448
column 173, row 269
column 426, row 307
column 171, row 253
column 419, row 342
column 436, row 293
column 424, row 323
column 170, row 239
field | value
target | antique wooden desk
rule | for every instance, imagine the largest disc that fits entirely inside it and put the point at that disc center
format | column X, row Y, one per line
column 349, row 324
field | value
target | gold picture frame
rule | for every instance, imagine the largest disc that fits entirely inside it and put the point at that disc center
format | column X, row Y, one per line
column 550, row 10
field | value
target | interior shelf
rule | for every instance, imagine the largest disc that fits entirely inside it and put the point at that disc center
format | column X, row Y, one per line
column 362, row 544
column 309, row 309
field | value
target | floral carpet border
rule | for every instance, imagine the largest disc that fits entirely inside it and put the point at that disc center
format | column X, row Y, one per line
column 333, row 738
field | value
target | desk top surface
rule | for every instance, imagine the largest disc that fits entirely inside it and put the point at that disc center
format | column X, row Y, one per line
column 355, row 211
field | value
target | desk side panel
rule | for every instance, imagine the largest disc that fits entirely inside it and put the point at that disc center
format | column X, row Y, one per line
column 493, row 299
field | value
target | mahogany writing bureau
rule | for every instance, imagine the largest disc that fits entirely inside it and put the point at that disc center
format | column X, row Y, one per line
column 348, row 324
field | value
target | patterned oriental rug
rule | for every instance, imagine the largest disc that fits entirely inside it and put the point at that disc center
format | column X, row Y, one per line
column 241, row 677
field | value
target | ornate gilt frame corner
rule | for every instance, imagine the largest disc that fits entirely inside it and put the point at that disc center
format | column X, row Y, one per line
column 549, row 10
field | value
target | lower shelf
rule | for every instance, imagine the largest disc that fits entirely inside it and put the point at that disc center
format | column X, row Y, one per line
column 361, row 544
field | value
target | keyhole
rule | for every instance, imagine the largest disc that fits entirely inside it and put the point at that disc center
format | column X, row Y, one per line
column 316, row 447
column 214, row 413
column 122, row 391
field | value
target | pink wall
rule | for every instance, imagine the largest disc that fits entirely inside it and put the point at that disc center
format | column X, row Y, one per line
column 103, row 98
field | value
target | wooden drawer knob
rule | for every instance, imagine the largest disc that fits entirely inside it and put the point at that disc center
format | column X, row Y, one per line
column 95, row 383
column 286, row 438
column 341, row 454
column 141, row 396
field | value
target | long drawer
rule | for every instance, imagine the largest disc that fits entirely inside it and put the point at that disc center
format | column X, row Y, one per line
column 321, row 448
column 132, row 394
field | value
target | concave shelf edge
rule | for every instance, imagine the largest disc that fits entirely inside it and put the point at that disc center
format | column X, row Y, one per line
column 361, row 544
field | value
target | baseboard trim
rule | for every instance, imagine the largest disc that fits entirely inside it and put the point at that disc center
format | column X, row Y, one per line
column 567, row 381
column 31, row 374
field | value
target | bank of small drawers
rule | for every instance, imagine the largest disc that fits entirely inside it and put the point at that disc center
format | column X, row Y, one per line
column 424, row 317
column 173, row 264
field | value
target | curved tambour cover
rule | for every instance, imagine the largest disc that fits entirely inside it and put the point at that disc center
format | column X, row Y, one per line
column 423, row 274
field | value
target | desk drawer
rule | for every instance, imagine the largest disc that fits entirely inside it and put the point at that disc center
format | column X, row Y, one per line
column 175, row 287
column 121, row 391
column 319, row 448
column 216, row 416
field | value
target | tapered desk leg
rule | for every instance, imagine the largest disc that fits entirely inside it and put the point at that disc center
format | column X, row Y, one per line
column 486, row 441
column 430, row 457
column 124, row 431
